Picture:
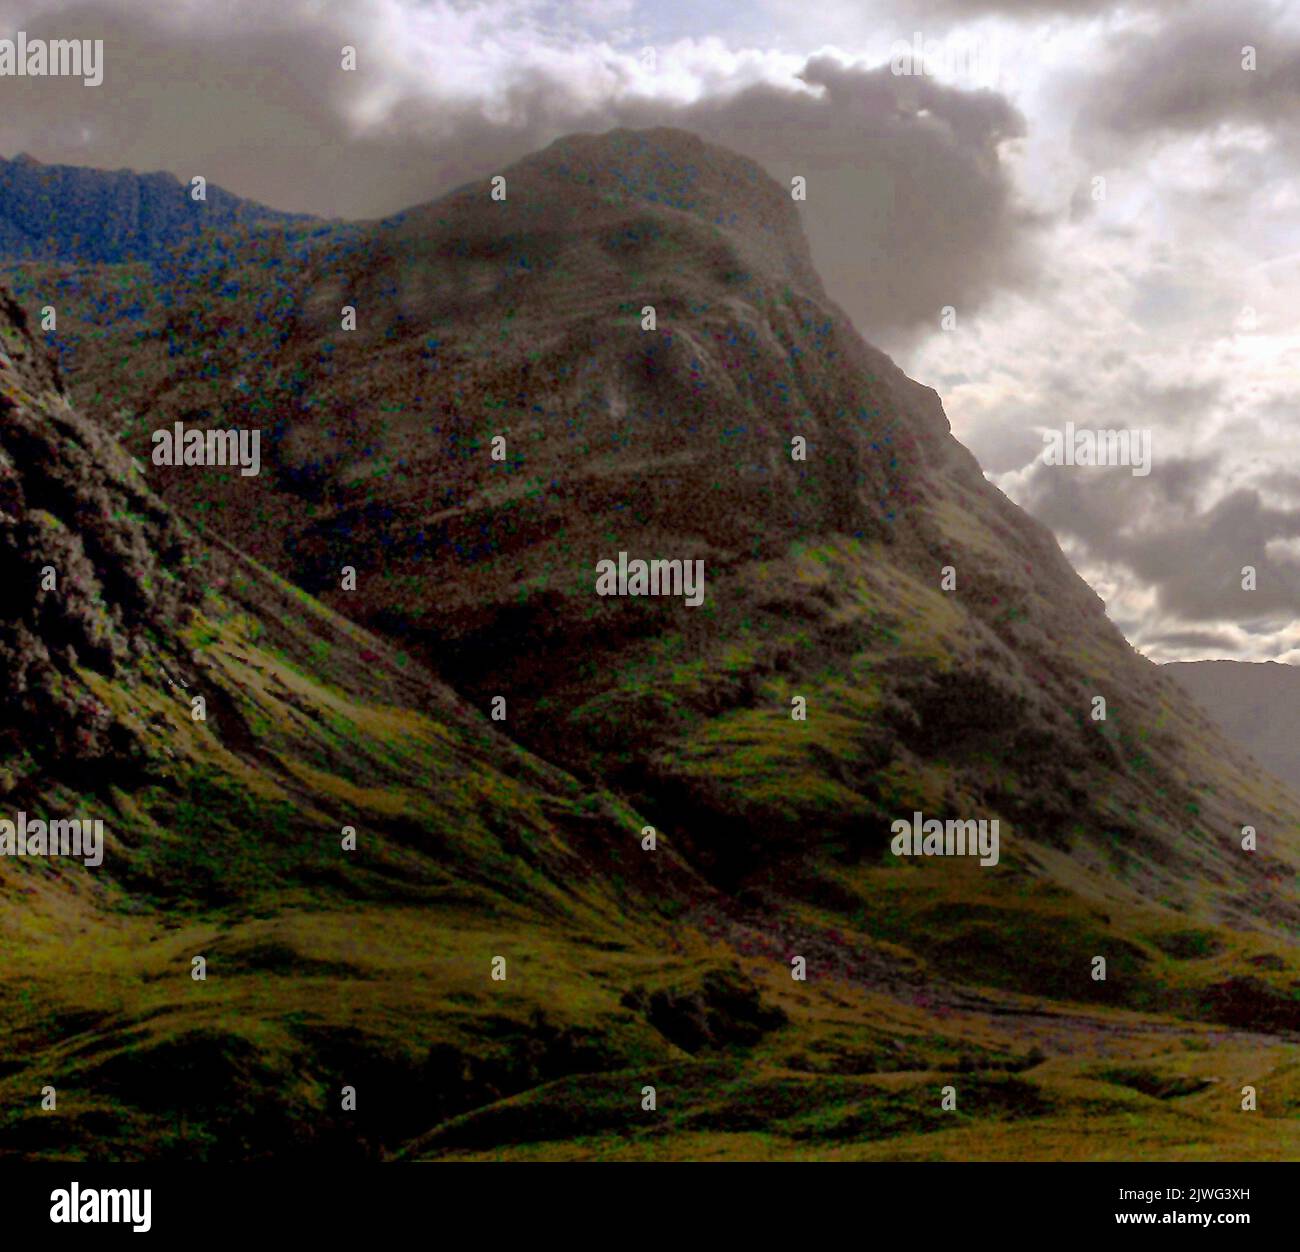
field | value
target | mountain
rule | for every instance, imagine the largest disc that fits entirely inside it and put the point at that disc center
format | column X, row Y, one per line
column 827, row 581
column 66, row 213
column 223, row 838
column 1257, row 706
column 522, row 318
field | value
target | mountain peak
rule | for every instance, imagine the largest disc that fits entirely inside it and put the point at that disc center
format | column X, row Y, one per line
column 628, row 187
column 674, row 169
column 661, row 165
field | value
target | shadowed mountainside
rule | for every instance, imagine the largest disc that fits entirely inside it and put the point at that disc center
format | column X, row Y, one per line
column 223, row 838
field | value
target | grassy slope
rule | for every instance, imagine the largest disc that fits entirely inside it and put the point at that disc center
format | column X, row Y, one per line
column 373, row 970
column 325, row 967
column 376, row 974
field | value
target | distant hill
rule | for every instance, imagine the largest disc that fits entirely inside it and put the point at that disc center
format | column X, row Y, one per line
column 67, row 213
column 1257, row 705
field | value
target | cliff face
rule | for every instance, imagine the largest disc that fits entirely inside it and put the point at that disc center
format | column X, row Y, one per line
column 93, row 562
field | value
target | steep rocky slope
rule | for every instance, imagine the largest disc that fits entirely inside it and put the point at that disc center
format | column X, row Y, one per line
column 93, row 562
column 229, row 733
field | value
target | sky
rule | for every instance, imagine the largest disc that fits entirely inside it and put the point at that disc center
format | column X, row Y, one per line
column 1075, row 212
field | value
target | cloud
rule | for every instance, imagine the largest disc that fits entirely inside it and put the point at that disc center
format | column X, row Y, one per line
column 910, row 205
column 1187, row 73
column 1187, row 557
column 1198, row 641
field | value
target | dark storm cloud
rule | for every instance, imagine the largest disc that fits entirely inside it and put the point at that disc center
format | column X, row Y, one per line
column 1193, row 558
column 1187, row 74
column 1197, row 640
column 909, row 207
